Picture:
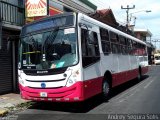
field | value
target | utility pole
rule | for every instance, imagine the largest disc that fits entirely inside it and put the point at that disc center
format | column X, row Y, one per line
column 127, row 11
column 155, row 41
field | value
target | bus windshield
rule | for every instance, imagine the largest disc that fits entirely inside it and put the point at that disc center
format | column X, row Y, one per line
column 49, row 49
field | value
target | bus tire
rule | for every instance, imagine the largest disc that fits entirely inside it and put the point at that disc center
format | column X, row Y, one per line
column 105, row 90
column 139, row 74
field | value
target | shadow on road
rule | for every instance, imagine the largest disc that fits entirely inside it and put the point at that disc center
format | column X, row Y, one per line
column 121, row 88
column 87, row 105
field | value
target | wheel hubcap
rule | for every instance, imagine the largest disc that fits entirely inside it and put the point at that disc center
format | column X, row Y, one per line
column 105, row 88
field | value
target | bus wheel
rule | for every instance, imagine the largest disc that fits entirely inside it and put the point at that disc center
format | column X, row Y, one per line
column 105, row 90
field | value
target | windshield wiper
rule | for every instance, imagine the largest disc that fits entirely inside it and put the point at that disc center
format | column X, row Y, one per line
column 34, row 47
column 51, row 37
column 47, row 42
column 35, row 43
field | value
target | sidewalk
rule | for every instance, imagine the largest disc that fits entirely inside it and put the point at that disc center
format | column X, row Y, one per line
column 9, row 100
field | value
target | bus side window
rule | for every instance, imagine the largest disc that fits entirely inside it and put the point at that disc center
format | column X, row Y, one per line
column 130, row 44
column 127, row 46
column 105, row 42
column 144, row 50
column 122, row 41
column 114, row 38
column 90, row 47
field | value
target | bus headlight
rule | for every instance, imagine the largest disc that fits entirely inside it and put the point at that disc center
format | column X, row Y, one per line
column 70, row 81
column 73, row 78
column 21, row 81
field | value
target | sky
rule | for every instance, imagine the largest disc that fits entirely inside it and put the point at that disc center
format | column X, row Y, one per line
column 150, row 20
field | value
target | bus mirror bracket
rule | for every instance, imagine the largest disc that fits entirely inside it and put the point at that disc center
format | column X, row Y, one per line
column 8, row 44
column 87, row 33
column 10, row 39
column 84, row 25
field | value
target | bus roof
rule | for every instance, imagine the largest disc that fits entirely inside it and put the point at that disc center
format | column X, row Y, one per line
column 98, row 23
column 59, row 20
column 93, row 21
column 50, row 17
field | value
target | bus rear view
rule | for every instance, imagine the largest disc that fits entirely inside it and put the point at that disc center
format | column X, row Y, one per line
column 49, row 67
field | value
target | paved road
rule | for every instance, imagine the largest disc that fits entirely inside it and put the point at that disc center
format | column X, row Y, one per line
column 131, row 98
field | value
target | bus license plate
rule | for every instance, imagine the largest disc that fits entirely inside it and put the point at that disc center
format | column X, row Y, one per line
column 43, row 94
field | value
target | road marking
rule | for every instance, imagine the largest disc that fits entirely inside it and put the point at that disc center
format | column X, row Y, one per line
column 148, row 84
column 121, row 100
column 131, row 89
column 134, row 90
column 125, row 98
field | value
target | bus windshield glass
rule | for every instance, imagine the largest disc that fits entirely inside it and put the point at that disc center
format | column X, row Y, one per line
column 52, row 49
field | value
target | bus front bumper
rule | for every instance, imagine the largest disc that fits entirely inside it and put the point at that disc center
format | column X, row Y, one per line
column 63, row 94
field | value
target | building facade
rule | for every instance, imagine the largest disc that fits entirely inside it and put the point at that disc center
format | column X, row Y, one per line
column 12, row 18
column 106, row 16
column 60, row 6
column 145, row 35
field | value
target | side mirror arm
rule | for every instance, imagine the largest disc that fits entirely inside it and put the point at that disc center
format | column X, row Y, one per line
column 8, row 44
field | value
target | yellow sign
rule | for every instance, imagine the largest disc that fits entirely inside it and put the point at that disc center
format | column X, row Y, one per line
column 36, row 8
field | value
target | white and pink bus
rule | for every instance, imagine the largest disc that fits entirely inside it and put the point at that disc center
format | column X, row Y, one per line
column 71, row 57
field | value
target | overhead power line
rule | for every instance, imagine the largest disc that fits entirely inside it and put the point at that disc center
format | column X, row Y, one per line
column 127, row 11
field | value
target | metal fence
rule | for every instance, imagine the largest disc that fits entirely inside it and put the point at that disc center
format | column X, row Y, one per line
column 11, row 14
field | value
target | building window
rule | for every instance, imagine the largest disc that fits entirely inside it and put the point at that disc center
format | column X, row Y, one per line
column 21, row 3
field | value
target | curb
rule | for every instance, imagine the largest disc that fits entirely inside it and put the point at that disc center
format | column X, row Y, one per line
column 3, row 112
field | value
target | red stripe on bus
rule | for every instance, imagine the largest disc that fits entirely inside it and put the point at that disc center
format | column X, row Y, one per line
column 81, row 90
column 92, row 87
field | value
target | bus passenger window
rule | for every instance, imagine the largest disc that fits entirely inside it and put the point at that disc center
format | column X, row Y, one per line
column 114, row 42
column 105, row 42
column 129, row 46
column 90, row 47
column 134, row 48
